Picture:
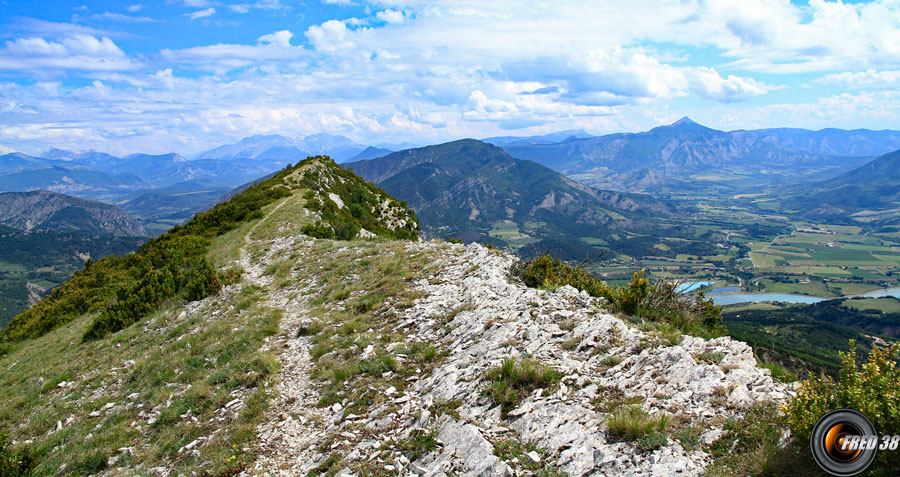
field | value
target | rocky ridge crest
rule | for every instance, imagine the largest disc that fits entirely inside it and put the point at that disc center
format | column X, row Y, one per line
column 480, row 317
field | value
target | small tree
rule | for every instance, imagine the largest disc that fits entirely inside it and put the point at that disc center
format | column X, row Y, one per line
column 872, row 389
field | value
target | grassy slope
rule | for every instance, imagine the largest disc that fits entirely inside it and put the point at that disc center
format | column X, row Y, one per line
column 183, row 363
column 140, row 397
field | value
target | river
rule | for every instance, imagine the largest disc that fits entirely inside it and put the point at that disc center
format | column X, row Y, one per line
column 735, row 298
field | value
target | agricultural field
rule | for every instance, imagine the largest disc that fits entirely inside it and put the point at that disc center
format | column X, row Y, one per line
column 509, row 231
column 758, row 251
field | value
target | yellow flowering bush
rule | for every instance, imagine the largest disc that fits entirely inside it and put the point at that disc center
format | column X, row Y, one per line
column 872, row 389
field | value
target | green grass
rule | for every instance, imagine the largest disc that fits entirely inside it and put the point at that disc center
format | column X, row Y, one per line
column 505, row 229
column 287, row 220
column 631, row 423
column 515, row 453
column 884, row 305
column 181, row 364
column 750, row 447
column 383, row 271
column 762, row 260
column 511, row 382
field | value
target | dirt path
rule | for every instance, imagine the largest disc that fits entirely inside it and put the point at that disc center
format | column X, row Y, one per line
column 288, row 437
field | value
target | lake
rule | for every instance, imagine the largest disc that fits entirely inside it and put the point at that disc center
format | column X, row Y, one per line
column 724, row 290
column 894, row 292
column 688, row 287
column 735, row 298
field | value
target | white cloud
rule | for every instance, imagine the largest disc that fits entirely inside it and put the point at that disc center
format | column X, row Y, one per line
column 201, row 13
column 863, row 79
column 279, row 38
column 329, row 36
column 135, row 8
column 393, row 17
column 273, row 47
column 707, row 83
column 443, row 69
column 122, row 18
column 80, row 52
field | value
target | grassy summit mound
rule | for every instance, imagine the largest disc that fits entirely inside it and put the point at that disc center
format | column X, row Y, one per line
column 175, row 265
column 126, row 365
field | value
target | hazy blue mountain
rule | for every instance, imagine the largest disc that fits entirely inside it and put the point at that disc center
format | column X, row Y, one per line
column 93, row 159
column 160, row 209
column 17, row 161
column 76, row 180
column 49, row 211
column 370, row 152
column 280, row 150
column 683, row 154
column 556, row 137
column 870, row 192
column 834, row 142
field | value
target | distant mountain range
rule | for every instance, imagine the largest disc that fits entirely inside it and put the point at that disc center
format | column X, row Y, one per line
column 281, row 150
column 686, row 156
column 870, row 193
column 468, row 186
column 556, row 137
column 43, row 211
column 684, row 159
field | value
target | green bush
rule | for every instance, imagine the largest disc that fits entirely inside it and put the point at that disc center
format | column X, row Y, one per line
column 346, row 229
column 514, row 379
column 318, row 230
column 15, row 462
column 124, row 289
column 872, row 389
column 659, row 302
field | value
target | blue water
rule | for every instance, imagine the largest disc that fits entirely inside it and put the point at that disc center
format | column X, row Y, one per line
column 724, row 290
column 723, row 296
column 894, row 292
column 732, row 299
column 688, row 287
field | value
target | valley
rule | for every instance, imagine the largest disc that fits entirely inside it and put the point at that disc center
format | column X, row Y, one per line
column 748, row 217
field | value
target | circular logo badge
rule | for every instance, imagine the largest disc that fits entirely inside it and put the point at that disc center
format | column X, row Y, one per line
column 843, row 442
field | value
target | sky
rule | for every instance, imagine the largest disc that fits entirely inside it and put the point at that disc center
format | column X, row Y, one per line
column 188, row 75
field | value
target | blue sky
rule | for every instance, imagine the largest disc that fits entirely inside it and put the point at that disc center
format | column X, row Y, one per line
column 188, row 75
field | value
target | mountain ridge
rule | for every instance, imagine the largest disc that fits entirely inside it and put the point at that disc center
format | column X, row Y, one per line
column 51, row 211
column 469, row 185
column 685, row 152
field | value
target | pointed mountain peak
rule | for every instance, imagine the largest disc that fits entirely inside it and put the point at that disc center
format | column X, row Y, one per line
column 685, row 121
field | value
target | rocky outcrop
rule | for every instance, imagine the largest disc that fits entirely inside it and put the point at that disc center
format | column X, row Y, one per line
column 41, row 211
column 480, row 317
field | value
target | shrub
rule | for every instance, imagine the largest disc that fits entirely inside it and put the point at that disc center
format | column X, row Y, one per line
column 346, row 229
column 318, row 230
column 631, row 423
column 659, row 302
column 357, row 210
column 514, row 379
column 872, row 389
column 779, row 373
column 15, row 462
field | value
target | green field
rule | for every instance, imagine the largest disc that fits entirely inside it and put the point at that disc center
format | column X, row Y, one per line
column 884, row 305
